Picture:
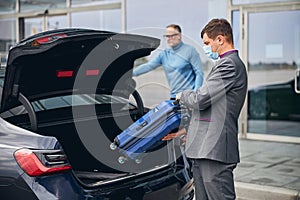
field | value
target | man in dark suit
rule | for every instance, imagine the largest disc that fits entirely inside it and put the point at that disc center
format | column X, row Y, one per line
column 212, row 137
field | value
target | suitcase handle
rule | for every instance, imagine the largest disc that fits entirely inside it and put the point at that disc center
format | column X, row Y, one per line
column 176, row 102
column 142, row 125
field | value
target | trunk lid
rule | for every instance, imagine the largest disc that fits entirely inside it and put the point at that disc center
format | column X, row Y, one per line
column 65, row 61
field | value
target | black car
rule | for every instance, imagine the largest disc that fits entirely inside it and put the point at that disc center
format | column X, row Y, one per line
column 275, row 101
column 66, row 94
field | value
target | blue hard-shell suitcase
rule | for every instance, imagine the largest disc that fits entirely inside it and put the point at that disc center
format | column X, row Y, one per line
column 149, row 130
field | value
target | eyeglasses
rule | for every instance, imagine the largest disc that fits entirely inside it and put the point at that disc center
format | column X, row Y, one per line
column 170, row 36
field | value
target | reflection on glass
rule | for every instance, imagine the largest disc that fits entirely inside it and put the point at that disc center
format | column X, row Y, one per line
column 236, row 29
column 7, row 38
column 57, row 22
column 297, row 80
column 41, row 5
column 72, row 100
column 33, row 26
column 78, row 3
column 7, row 6
column 240, row 2
column 108, row 20
column 273, row 104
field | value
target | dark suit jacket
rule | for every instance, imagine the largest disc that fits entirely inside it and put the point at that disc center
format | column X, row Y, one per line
column 213, row 130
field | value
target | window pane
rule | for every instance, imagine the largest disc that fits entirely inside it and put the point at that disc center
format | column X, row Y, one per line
column 273, row 104
column 41, row 5
column 236, row 29
column 57, row 22
column 239, row 2
column 7, row 37
column 78, row 3
column 7, row 6
column 109, row 20
column 33, row 26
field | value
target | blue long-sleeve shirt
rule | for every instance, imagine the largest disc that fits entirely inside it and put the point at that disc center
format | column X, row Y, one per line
column 182, row 66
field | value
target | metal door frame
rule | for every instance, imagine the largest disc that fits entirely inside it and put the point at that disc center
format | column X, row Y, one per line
column 245, row 10
column 20, row 16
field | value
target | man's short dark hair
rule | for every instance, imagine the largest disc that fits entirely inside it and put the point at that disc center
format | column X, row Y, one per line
column 175, row 26
column 218, row 27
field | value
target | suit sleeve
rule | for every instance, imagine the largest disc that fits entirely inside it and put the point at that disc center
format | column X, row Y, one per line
column 218, row 82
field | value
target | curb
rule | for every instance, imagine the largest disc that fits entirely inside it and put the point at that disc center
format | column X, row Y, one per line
column 247, row 191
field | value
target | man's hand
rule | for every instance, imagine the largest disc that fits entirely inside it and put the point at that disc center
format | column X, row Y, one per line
column 178, row 96
column 179, row 133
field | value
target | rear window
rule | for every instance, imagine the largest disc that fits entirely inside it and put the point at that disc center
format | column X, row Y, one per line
column 73, row 100
column 2, row 73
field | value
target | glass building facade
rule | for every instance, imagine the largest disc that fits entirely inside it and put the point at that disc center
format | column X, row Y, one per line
column 266, row 33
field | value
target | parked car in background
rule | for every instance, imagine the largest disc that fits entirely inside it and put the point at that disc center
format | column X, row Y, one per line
column 62, row 89
column 275, row 101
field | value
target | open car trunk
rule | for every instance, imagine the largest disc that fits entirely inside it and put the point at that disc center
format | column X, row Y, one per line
column 99, row 165
column 45, row 71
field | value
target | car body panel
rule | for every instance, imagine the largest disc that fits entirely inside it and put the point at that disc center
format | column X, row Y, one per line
column 274, row 101
column 12, row 138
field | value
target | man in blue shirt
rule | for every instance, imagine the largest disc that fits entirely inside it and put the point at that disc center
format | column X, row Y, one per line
column 181, row 62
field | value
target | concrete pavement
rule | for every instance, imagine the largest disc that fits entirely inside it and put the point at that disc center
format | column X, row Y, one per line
column 268, row 171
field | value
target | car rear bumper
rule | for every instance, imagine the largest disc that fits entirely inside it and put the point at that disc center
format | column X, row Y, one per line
column 165, row 185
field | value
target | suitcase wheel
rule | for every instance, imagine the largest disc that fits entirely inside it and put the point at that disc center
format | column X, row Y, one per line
column 138, row 161
column 122, row 160
column 113, row 146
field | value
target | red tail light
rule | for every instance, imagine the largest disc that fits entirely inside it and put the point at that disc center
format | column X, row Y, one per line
column 41, row 162
column 48, row 39
column 64, row 74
